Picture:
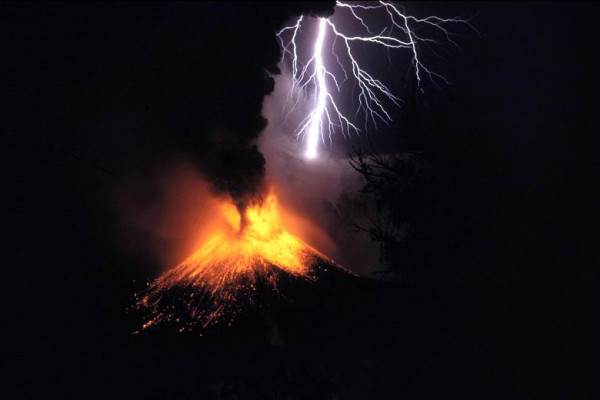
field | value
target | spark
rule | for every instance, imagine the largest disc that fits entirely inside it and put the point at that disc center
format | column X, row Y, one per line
column 315, row 76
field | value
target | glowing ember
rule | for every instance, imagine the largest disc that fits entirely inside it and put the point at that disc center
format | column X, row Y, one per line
column 250, row 251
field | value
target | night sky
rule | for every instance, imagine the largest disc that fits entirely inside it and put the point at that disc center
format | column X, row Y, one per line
column 502, row 302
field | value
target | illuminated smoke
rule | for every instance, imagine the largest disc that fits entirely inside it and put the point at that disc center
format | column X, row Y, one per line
column 326, row 117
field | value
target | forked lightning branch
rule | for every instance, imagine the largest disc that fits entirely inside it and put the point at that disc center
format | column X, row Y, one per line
column 315, row 78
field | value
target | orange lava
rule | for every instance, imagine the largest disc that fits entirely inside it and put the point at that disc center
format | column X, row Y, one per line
column 247, row 250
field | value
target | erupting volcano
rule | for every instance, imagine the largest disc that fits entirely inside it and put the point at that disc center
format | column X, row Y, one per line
column 249, row 251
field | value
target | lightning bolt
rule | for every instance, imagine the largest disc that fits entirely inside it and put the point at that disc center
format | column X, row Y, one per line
column 313, row 76
column 316, row 119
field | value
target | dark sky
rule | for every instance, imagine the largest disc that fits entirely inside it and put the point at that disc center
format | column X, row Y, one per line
column 95, row 92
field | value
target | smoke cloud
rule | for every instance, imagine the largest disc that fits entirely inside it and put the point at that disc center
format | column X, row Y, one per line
column 227, row 155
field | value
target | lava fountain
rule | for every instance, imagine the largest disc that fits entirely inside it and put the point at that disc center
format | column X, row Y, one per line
column 241, row 257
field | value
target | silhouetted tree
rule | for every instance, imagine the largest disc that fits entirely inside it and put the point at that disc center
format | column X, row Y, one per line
column 394, row 204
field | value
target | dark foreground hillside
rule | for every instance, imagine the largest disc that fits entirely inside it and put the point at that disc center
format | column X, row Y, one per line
column 339, row 337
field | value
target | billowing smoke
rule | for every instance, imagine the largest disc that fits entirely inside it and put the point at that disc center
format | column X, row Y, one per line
column 228, row 156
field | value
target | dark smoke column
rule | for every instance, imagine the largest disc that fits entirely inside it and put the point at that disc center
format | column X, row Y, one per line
column 228, row 155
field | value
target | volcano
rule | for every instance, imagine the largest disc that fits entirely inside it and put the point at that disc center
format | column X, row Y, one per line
column 248, row 260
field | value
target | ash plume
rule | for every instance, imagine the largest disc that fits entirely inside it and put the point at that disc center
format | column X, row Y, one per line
column 228, row 155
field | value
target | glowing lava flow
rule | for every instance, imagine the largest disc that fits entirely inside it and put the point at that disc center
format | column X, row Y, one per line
column 403, row 32
column 249, row 252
